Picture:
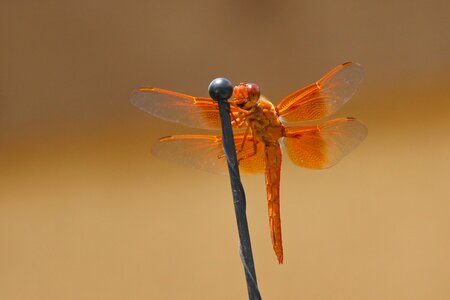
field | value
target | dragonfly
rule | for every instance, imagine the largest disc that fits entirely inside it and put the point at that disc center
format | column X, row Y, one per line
column 262, row 130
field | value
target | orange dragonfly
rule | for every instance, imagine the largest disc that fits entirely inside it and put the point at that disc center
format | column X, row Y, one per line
column 265, row 128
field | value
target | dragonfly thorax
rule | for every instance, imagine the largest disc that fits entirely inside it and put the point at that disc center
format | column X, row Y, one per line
column 246, row 95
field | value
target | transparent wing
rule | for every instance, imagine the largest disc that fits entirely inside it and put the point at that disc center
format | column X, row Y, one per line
column 323, row 97
column 322, row 146
column 176, row 107
column 205, row 152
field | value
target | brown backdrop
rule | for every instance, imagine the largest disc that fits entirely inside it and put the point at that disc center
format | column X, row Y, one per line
column 87, row 213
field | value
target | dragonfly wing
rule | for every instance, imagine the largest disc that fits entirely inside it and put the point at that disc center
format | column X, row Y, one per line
column 323, row 97
column 322, row 146
column 249, row 161
column 205, row 152
column 176, row 107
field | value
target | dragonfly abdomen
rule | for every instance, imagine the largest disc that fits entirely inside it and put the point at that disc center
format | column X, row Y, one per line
column 272, row 174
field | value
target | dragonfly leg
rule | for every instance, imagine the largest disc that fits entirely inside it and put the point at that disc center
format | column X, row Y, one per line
column 241, row 110
column 238, row 120
column 243, row 140
column 254, row 145
column 242, row 145
column 235, row 120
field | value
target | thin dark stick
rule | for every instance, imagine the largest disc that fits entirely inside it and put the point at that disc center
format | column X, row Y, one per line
column 236, row 185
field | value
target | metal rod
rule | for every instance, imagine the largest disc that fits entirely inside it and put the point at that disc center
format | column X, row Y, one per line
column 236, row 185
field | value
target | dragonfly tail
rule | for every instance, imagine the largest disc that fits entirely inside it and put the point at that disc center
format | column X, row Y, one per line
column 272, row 174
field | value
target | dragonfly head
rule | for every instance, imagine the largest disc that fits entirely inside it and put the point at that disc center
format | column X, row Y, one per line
column 246, row 95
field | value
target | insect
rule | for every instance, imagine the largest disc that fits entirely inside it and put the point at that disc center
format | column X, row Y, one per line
column 261, row 129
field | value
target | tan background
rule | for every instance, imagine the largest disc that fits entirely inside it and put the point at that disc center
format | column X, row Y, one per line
column 87, row 213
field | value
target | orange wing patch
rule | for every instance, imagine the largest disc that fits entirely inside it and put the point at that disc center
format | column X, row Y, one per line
column 322, row 146
column 254, row 163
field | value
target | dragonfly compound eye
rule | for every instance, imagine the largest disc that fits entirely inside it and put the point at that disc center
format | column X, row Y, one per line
column 253, row 91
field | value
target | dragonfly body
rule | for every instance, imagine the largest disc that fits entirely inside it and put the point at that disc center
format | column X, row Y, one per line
column 317, row 146
column 263, row 122
column 272, row 158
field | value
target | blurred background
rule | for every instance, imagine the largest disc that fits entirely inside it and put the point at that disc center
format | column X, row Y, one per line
column 87, row 213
